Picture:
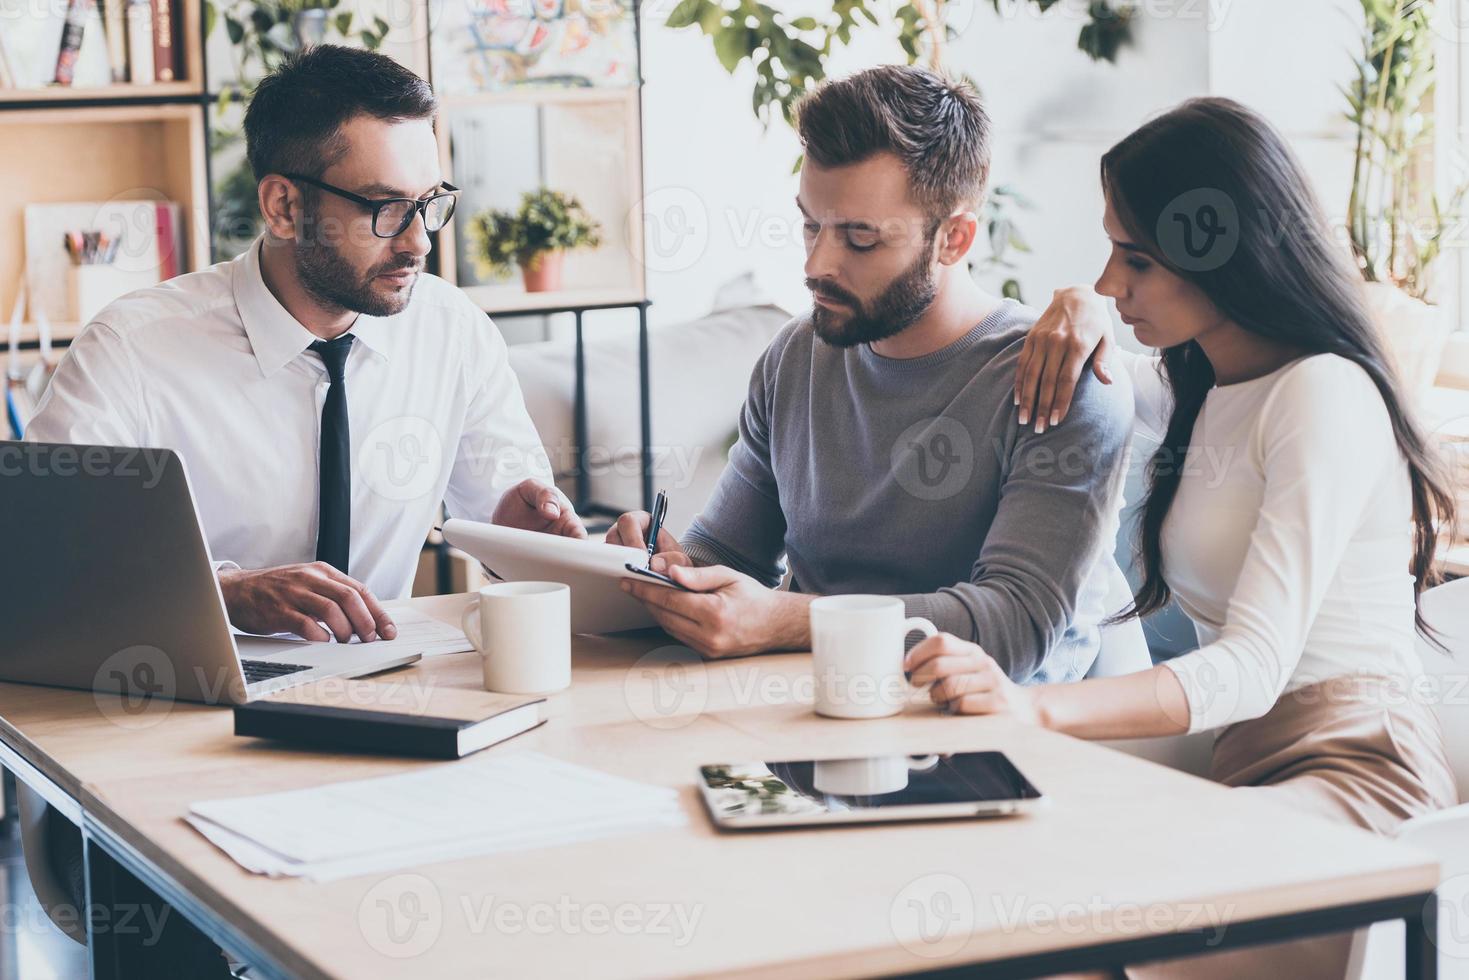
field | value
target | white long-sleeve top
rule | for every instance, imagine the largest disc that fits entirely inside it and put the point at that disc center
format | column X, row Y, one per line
column 1288, row 544
column 212, row 366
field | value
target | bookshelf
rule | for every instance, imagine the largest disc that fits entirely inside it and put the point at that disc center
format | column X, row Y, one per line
column 121, row 142
column 61, row 95
column 152, row 141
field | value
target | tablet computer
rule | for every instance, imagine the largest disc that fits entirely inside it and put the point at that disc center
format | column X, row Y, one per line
column 875, row 789
column 593, row 570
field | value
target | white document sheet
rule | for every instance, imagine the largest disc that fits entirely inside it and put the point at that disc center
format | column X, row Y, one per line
column 518, row 800
column 417, row 632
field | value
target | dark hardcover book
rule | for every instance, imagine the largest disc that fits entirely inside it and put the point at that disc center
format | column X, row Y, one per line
column 392, row 732
column 165, row 40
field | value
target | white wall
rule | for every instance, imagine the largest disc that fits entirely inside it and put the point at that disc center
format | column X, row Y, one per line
column 1055, row 113
column 720, row 191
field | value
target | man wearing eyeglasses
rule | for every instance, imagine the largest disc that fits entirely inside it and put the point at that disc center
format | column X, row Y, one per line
column 325, row 392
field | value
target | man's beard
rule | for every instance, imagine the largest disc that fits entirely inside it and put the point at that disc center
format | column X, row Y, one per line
column 906, row 299
column 332, row 281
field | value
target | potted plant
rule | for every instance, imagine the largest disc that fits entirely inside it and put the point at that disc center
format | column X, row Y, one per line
column 536, row 237
column 1397, row 224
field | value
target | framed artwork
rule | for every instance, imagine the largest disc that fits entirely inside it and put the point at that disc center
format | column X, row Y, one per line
column 495, row 45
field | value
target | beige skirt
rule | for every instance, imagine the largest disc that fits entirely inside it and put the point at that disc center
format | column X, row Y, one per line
column 1354, row 749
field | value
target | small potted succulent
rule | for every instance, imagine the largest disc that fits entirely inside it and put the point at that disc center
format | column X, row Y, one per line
column 536, row 237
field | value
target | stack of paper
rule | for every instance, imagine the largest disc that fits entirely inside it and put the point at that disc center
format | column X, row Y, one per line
column 417, row 633
column 512, row 802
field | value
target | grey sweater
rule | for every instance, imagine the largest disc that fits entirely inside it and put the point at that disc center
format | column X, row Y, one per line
column 913, row 478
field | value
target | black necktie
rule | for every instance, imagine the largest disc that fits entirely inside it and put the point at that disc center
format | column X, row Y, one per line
column 334, row 525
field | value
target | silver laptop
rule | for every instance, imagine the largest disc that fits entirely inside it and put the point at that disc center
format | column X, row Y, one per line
column 107, row 585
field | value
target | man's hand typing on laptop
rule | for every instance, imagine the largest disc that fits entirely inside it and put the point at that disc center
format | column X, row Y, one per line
column 300, row 598
column 303, row 598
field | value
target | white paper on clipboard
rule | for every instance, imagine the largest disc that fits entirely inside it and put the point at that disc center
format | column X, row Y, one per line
column 592, row 569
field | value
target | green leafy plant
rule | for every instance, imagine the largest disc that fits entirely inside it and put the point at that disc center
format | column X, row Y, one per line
column 1004, row 235
column 546, row 221
column 789, row 53
column 236, row 214
column 789, row 57
column 262, row 33
column 1397, row 223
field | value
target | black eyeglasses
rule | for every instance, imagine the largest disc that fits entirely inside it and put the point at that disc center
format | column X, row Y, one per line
column 391, row 216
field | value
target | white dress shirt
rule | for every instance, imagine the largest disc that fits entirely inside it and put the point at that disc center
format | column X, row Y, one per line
column 1289, row 541
column 211, row 365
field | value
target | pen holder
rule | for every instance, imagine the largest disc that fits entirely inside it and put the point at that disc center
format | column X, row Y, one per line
column 91, row 287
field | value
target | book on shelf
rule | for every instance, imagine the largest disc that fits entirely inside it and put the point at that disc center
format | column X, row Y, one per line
column 52, row 43
column 72, row 30
column 115, row 32
column 90, row 43
column 140, row 41
column 165, row 41
column 170, row 241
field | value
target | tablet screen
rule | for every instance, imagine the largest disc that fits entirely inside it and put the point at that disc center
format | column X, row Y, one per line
column 880, row 783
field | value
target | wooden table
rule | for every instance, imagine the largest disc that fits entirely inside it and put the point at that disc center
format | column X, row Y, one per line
column 1131, row 861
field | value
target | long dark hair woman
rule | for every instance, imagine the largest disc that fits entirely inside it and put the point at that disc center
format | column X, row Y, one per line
column 1292, row 503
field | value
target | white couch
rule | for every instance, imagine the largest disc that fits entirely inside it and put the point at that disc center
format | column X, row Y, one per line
column 700, row 372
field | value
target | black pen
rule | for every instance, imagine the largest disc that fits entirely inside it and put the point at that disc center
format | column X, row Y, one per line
column 660, row 511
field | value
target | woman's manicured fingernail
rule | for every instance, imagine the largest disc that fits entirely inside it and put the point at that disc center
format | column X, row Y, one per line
column 1055, row 419
column 1024, row 416
column 1040, row 427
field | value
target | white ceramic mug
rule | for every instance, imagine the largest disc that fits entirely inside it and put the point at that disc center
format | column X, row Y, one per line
column 523, row 631
column 872, row 776
column 861, row 777
column 857, row 654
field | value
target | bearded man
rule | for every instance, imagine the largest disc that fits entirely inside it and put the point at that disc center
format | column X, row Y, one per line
column 879, row 447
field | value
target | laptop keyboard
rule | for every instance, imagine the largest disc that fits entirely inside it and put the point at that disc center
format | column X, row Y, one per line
column 264, row 670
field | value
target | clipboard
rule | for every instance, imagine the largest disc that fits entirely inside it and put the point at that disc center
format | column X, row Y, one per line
column 593, row 570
